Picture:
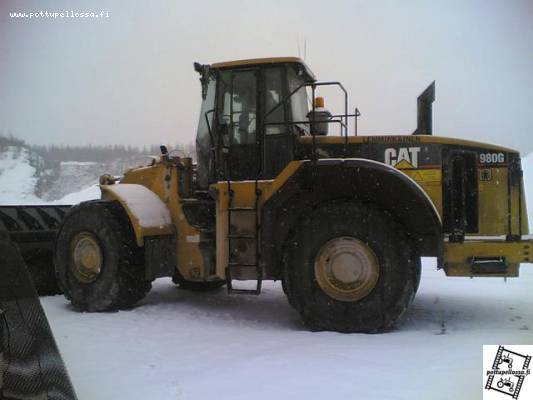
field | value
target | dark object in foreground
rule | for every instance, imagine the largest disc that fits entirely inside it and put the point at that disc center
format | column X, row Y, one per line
column 31, row 366
column 33, row 229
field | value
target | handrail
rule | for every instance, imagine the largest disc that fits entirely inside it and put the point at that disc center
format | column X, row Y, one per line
column 314, row 85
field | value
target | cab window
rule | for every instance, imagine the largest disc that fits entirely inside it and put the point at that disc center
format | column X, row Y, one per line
column 204, row 140
column 238, row 100
column 274, row 122
column 299, row 100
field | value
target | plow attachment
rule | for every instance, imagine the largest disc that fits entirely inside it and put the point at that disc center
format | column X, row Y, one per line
column 33, row 229
column 31, row 366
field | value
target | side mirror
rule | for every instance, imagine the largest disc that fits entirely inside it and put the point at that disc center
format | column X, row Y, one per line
column 164, row 152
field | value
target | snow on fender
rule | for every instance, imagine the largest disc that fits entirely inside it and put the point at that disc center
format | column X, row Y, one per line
column 149, row 216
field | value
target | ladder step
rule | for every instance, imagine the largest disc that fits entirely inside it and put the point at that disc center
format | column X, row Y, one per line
column 245, row 270
column 238, row 264
column 239, row 236
column 244, row 291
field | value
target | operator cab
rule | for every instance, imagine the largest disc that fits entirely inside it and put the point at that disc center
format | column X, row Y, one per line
column 252, row 112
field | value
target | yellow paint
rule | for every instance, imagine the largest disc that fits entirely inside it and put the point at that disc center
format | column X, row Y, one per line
column 263, row 61
column 403, row 164
column 244, row 196
column 515, row 206
column 430, row 180
column 493, row 204
column 162, row 179
column 493, row 196
column 256, row 61
column 457, row 256
column 140, row 231
column 401, row 139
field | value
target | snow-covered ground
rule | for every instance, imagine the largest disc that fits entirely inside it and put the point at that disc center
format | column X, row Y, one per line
column 182, row 345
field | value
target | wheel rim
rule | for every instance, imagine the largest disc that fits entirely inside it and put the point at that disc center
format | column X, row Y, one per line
column 87, row 257
column 346, row 269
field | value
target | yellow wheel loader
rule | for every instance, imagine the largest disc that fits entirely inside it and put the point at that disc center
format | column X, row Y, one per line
column 283, row 189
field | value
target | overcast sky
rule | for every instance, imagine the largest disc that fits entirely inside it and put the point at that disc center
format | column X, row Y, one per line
column 128, row 79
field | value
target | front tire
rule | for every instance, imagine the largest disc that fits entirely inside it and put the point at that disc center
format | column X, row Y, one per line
column 350, row 268
column 98, row 263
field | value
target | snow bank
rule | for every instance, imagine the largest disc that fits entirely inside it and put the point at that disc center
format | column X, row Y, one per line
column 18, row 181
column 90, row 193
column 72, row 177
column 17, row 177
column 78, row 163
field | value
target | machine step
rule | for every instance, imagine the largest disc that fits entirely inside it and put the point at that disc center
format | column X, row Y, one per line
column 229, row 280
column 240, row 264
column 241, row 236
column 244, row 270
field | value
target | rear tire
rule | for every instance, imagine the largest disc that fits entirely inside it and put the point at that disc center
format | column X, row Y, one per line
column 350, row 268
column 98, row 263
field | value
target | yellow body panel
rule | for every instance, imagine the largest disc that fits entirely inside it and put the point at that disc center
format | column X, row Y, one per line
column 458, row 256
column 431, row 181
column 244, row 196
column 162, row 179
column 263, row 61
column 256, row 61
column 493, row 204
column 407, row 139
column 108, row 193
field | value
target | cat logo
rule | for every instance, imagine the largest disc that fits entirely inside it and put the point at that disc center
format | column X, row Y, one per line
column 402, row 158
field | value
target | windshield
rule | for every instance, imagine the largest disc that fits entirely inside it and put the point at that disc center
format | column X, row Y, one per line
column 273, row 95
column 299, row 100
column 203, row 136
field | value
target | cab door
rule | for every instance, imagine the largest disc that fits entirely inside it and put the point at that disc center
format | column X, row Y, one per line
column 278, row 136
column 238, row 124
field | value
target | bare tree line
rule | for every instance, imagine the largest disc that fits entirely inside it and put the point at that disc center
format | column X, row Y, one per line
column 91, row 153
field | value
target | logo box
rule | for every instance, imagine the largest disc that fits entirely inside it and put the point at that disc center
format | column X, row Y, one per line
column 506, row 372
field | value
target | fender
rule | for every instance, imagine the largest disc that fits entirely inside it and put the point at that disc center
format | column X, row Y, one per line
column 363, row 180
column 148, row 215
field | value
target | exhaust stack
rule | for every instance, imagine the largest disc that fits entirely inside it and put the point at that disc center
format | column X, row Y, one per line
column 424, row 111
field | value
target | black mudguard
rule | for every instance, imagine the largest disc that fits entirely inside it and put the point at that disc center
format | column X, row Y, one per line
column 365, row 181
